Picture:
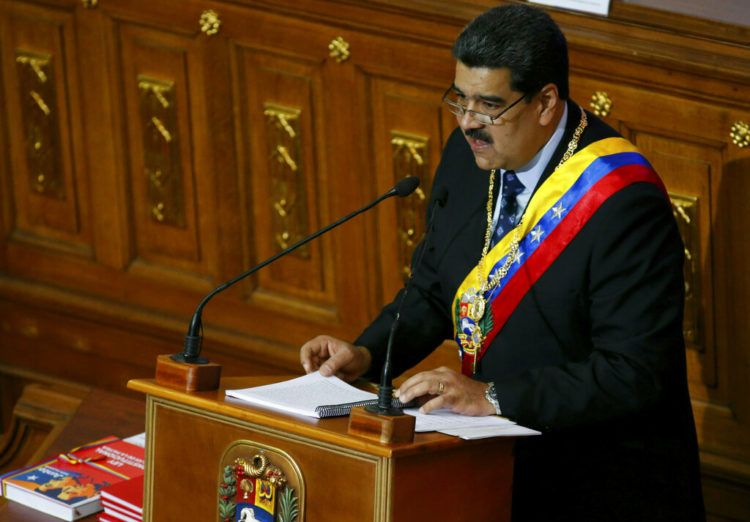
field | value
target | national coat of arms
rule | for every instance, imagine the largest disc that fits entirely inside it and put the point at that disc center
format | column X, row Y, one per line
column 261, row 485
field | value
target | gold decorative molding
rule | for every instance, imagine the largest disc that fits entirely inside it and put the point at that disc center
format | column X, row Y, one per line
column 339, row 49
column 288, row 193
column 685, row 210
column 161, row 153
column 409, row 159
column 40, row 103
column 740, row 134
column 600, row 104
column 90, row 4
column 209, row 22
column 40, row 123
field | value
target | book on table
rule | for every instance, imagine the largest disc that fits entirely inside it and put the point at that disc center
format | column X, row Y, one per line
column 68, row 486
column 124, row 500
column 104, row 517
column 108, row 516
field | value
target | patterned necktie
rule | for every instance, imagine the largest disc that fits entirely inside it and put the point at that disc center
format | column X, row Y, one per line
column 506, row 218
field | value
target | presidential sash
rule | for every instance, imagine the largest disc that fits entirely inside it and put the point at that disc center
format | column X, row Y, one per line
column 559, row 209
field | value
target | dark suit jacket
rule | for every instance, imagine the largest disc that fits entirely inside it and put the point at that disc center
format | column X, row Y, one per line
column 593, row 356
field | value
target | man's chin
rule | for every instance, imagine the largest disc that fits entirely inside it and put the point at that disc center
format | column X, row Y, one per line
column 485, row 163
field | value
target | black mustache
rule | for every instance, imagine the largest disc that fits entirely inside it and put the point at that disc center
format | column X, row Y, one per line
column 478, row 134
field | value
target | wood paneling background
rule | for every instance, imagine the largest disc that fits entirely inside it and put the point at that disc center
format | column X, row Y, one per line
column 147, row 155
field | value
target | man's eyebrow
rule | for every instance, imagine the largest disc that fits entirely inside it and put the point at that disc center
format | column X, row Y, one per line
column 484, row 97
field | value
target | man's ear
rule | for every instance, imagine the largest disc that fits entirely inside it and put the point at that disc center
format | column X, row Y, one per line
column 549, row 104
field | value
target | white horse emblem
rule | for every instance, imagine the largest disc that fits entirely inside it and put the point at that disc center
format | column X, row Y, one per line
column 248, row 515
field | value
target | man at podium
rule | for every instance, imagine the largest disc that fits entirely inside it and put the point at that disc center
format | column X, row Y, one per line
column 553, row 260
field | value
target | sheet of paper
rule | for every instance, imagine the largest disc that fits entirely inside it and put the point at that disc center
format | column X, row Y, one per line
column 303, row 394
column 483, row 432
column 138, row 440
column 440, row 420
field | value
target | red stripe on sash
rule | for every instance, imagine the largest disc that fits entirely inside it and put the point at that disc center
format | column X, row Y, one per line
column 535, row 265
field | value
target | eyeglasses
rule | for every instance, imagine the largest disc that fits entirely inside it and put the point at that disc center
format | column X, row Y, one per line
column 482, row 117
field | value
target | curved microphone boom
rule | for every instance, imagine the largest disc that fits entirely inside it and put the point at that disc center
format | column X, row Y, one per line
column 193, row 338
column 385, row 405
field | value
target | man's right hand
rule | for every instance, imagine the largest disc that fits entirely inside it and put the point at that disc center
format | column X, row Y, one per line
column 334, row 357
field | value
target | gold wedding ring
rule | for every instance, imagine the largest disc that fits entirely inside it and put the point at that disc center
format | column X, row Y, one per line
column 441, row 388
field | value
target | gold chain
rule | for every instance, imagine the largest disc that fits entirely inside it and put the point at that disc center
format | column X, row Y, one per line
column 489, row 283
column 485, row 285
column 573, row 144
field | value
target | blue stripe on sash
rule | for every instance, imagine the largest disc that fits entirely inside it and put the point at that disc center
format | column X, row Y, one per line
column 599, row 168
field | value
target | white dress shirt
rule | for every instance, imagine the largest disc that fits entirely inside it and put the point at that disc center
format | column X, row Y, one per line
column 530, row 173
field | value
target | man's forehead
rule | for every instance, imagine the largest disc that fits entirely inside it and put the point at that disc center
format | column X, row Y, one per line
column 482, row 81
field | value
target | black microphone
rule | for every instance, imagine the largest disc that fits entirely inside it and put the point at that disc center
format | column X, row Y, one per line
column 193, row 339
column 385, row 405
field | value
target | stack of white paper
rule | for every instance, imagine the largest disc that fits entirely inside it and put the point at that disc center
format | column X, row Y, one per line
column 467, row 427
column 303, row 395
column 316, row 396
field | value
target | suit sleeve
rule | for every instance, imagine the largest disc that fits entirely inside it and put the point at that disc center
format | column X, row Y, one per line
column 634, row 304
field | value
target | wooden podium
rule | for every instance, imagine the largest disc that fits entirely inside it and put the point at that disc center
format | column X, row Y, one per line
column 343, row 477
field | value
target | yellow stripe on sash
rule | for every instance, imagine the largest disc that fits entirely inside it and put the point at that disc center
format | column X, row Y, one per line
column 548, row 194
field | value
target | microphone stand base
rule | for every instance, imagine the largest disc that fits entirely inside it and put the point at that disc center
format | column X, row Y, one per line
column 187, row 376
column 383, row 428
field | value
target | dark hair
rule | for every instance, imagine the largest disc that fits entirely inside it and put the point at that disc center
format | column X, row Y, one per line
column 522, row 38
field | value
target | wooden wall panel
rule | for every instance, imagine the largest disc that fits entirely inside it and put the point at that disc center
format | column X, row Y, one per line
column 49, row 192
column 690, row 170
column 280, row 85
column 406, row 126
column 407, row 122
column 169, row 187
column 284, row 118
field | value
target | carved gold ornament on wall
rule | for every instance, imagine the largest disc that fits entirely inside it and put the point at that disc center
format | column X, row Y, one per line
column 161, row 151
column 339, row 49
column 288, row 193
column 209, row 22
column 600, row 104
column 685, row 210
column 740, row 134
column 410, row 159
column 40, row 123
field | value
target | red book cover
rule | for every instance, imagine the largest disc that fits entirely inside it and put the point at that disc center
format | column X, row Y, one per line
column 117, row 509
column 127, row 495
column 121, row 515
column 68, row 486
column 104, row 517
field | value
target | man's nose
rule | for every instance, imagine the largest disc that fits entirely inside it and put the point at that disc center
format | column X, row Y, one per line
column 468, row 120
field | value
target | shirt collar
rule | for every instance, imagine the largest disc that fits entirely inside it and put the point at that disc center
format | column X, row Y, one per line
column 530, row 173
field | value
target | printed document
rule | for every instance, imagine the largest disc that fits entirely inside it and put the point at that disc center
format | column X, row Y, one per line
column 303, row 395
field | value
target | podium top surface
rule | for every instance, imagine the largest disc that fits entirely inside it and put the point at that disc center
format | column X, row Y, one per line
column 331, row 430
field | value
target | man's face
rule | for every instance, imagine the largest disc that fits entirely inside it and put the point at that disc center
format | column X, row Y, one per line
column 514, row 138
